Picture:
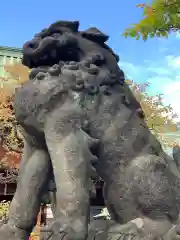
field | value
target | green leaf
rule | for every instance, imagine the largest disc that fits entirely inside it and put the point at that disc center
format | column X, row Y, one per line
column 138, row 37
column 151, row 35
column 164, row 34
column 160, row 18
column 145, row 36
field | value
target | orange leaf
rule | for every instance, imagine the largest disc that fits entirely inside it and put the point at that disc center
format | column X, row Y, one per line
column 149, row 10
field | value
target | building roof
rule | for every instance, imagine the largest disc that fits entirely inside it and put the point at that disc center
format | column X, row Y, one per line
column 10, row 51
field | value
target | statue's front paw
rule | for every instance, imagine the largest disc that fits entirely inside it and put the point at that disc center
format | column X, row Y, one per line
column 56, row 231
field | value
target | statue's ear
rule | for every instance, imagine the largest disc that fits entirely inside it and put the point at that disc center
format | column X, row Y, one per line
column 71, row 25
column 94, row 35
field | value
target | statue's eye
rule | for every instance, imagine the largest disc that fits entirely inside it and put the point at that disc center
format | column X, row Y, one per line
column 56, row 35
column 33, row 45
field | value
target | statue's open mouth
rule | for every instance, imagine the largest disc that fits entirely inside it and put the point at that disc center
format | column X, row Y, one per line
column 50, row 50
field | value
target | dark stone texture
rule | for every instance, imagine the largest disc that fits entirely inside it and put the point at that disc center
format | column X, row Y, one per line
column 102, row 229
column 76, row 111
column 105, row 229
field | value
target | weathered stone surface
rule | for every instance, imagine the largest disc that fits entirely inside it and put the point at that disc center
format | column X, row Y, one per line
column 76, row 111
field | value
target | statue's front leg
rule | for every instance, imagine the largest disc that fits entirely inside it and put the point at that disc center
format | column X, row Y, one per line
column 25, row 205
column 69, row 146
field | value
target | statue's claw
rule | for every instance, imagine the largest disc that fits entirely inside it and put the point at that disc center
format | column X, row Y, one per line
column 56, row 231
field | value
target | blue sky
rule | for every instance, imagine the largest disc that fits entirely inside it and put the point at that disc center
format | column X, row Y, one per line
column 156, row 61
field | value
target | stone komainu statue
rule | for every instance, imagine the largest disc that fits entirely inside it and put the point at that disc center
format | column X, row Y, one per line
column 76, row 111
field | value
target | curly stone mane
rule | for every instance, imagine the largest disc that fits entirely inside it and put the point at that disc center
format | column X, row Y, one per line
column 62, row 50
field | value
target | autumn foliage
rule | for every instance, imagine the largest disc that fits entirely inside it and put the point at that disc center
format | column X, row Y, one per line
column 160, row 119
column 4, row 209
column 11, row 143
column 159, row 19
